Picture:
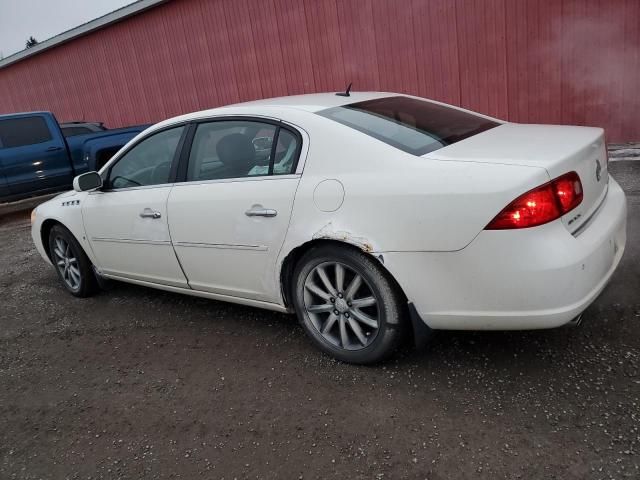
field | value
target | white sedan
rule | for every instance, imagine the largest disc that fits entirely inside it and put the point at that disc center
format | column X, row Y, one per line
column 370, row 215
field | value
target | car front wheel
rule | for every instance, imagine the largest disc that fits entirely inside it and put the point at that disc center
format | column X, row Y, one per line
column 347, row 304
column 71, row 263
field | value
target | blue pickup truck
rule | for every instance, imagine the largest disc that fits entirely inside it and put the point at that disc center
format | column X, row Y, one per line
column 36, row 158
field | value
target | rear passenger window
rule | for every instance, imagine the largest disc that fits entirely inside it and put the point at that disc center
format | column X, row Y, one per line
column 240, row 149
column 17, row 132
column 286, row 153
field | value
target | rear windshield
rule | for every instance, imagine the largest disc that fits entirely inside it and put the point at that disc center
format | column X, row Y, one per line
column 73, row 131
column 412, row 125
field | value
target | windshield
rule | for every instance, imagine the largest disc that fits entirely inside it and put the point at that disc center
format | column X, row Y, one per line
column 412, row 125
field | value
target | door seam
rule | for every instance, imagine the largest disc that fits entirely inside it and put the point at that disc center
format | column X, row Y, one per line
column 173, row 247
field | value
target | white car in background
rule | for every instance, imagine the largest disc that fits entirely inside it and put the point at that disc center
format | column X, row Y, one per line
column 368, row 214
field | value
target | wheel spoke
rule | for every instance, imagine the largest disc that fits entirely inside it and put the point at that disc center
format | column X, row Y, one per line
column 315, row 289
column 75, row 271
column 325, row 280
column 364, row 318
column 60, row 263
column 330, row 322
column 339, row 277
column 358, row 331
column 363, row 302
column 344, row 339
column 353, row 287
column 327, row 307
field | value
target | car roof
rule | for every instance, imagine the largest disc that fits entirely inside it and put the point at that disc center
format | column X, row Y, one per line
column 313, row 102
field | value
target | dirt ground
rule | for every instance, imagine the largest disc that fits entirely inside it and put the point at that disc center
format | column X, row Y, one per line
column 136, row 383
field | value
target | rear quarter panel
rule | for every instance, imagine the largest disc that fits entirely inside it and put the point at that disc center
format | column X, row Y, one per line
column 395, row 201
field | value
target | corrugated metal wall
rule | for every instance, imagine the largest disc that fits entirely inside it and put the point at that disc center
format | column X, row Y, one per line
column 551, row 61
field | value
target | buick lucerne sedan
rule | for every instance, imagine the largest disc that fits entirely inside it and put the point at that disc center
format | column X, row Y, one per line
column 372, row 216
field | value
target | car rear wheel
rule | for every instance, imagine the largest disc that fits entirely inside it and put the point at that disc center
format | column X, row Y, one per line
column 71, row 263
column 347, row 304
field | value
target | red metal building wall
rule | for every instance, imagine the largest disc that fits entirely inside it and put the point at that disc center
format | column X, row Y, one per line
column 545, row 61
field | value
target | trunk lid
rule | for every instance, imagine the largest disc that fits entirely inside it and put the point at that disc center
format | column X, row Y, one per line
column 557, row 149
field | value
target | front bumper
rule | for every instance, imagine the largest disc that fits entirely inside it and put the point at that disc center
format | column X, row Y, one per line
column 36, row 227
column 541, row 277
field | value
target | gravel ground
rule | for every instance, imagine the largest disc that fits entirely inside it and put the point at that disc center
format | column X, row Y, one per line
column 136, row 383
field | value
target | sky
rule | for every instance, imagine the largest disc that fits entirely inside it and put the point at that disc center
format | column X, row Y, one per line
column 20, row 19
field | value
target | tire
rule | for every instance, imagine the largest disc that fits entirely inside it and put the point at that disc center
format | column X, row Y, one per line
column 337, row 314
column 72, row 265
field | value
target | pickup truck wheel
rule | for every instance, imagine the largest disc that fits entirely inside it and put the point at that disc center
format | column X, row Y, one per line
column 71, row 263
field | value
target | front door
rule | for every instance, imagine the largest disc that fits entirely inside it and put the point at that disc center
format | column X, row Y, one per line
column 228, row 220
column 126, row 222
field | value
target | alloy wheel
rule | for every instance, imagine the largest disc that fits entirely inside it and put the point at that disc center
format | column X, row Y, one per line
column 67, row 263
column 341, row 305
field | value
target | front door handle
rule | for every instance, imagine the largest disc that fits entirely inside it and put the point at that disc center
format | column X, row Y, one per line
column 53, row 149
column 258, row 211
column 148, row 213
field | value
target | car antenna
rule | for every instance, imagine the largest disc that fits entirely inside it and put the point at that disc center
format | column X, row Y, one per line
column 346, row 92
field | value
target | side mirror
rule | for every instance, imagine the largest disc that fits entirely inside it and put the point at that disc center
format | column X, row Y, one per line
column 87, row 182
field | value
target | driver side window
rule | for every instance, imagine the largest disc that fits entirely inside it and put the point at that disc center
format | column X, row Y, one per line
column 148, row 162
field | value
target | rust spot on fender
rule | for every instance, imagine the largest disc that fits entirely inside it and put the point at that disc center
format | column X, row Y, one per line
column 329, row 233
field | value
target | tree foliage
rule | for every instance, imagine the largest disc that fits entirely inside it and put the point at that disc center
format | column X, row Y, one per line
column 31, row 42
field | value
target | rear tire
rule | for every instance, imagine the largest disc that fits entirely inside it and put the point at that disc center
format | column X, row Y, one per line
column 348, row 305
column 71, row 263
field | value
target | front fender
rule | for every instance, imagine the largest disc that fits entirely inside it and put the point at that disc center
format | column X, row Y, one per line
column 65, row 209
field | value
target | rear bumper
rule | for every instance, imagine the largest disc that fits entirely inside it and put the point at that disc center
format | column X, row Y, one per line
column 535, row 278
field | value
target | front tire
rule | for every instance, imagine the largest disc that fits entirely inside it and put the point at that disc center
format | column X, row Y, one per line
column 348, row 305
column 71, row 263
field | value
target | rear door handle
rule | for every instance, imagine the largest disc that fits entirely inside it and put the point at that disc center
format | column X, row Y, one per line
column 148, row 213
column 53, row 149
column 258, row 211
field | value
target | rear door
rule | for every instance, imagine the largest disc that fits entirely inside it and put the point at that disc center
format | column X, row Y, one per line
column 126, row 222
column 33, row 154
column 229, row 217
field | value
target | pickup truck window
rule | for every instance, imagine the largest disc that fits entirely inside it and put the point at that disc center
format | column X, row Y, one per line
column 17, row 132
column 148, row 162
column 73, row 131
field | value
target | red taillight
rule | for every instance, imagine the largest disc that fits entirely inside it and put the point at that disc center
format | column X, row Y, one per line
column 541, row 205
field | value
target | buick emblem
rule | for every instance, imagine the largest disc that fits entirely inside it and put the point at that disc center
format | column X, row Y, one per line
column 598, row 169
